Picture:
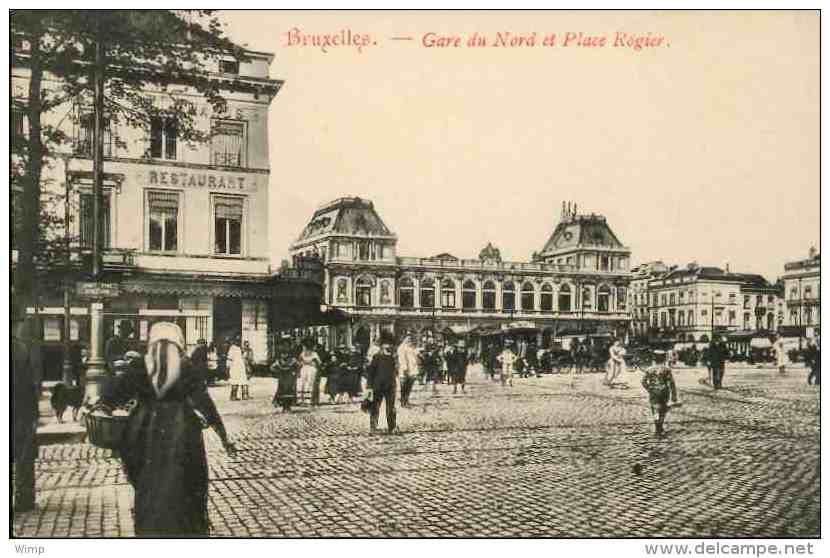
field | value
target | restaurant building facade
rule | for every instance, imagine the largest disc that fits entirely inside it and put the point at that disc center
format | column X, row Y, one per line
column 185, row 226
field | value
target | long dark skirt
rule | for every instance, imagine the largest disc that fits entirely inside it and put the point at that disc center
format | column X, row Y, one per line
column 286, row 389
column 333, row 382
column 164, row 458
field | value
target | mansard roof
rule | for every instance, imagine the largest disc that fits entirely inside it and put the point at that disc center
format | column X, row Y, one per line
column 583, row 231
column 346, row 217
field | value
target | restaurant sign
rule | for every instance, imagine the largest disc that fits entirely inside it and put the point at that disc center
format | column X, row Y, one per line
column 93, row 290
column 202, row 180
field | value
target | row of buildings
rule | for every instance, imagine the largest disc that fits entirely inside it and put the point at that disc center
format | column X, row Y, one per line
column 186, row 239
column 580, row 284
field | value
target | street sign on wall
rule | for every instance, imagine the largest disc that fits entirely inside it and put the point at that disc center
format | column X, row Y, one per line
column 93, row 290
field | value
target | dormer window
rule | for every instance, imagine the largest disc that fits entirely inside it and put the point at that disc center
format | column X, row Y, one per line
column 229, row 67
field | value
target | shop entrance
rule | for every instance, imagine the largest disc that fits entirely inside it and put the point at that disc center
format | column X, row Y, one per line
column 227, row 319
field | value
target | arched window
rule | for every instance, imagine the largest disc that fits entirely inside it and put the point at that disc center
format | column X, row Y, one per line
column 488, row 296
column 406, row 293
column 508, row 296
column 527, row 296
column 604, row 299
column 587, row 298
column 565, row 298
column 468, row 295
column 808, row 292
column 385, row 292
column 363, row 292
column 447, row 293
column 546, row 298
column 427, row 293
column 793, row 293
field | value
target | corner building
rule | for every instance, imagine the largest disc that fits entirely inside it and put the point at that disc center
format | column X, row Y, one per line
column 575, row 285
column 186, row 235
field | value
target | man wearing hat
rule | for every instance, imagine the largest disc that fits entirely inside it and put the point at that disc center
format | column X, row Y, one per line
column 658, row 381
column 118, row 345
column 457, row 366
column 507, row 359
column 199, row 359
column 381, row 382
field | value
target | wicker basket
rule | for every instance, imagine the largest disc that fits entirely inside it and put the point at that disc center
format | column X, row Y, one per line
column 106, row 431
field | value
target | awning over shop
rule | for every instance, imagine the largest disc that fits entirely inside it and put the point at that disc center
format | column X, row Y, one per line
column 236, row 287
column 297, row 316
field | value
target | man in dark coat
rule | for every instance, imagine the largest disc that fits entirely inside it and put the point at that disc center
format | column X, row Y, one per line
column 117, row 346
column 381, row 381
column 717, row 361
column 199, row 360
column 457, row 366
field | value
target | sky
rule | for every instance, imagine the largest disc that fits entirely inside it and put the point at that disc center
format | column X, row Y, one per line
column 701, row 147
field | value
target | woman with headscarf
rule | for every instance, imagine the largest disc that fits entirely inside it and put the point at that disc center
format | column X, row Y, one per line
column 163, row 450
column 237, row 370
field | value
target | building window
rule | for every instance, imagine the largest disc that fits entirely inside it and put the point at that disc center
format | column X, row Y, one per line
column 654, row 299
column 488, row 296
column 731, row 317
column 621, row 298
column 447, row 293
column 546, row 298
column 565, row 298
column 468, row 295
column 681, row 318
column 363, row 292
column 808, row 292
column 603, row 262
column 662, row 319
column 163, row 227
column 690, row 318
column 747, row 320
column 164, row 134
column 229, row 66
column 587, row 301
column 18, row 124
column 406, row 292
column 363, row 250
column 732, row 298
column 228, row 144
column 228, row 212
column 385, row 293
column 746, row 301
column 508, row 296
column 342, row 290
column 427, row 293
column 662, row 300
column 604, row 299
column 672, row 300
column 808, row 315
column 527, row 296
column 85, row 137
column 86, row 222
column 794, row 293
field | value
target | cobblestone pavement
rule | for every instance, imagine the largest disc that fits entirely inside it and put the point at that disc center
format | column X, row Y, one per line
column 550, row 457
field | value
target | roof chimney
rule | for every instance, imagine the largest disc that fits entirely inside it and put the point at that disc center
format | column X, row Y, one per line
column 727, row 267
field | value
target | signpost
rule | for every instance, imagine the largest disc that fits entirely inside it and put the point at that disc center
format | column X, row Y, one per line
column 96, row 292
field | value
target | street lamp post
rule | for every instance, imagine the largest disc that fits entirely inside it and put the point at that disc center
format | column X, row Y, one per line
column 96, row 370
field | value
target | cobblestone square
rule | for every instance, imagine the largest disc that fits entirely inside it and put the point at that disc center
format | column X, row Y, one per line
column 551, row 457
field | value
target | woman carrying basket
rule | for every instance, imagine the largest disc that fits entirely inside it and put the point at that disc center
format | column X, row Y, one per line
column 163, row 450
